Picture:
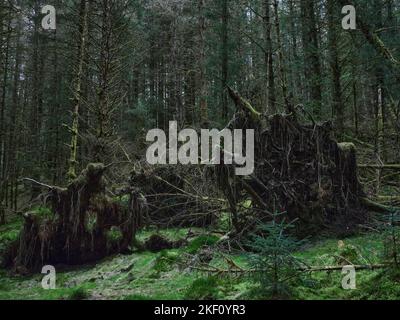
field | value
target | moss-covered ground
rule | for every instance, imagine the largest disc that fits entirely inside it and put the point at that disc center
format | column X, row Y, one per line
column 163, row 275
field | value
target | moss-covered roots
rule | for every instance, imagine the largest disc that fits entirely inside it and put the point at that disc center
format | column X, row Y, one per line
column 86, row 225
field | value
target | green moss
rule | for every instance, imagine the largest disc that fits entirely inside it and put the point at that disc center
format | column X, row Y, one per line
column 347, row 146
column 348, row 254
column 114, row 235
column 206, row 240
column 9, row 233
column 165, row 261
column 224, row 222
column 122, row 200
column 159, row 276
column 138, row 297
column 91, row 222
column 79, row 294
column 43, row 212
column 203, row 289
column 171, row 234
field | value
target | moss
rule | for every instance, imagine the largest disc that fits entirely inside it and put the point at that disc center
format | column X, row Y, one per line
column 43, row 212
column 347, row 147
column 79, row 294
column 203, row 289
column 138, row 297
column 9, row 233
column 224, row 222
column 114, row 235
column 196, row 244
column 157, row 276
column 123, row 200
column 91, row 222
column 9, row 236
column 165, row 261
column 347, row 254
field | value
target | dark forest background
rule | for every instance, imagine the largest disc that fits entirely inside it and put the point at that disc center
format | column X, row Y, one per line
column 114, row 69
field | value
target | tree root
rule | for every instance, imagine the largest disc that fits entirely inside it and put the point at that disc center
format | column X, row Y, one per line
column 85, row 225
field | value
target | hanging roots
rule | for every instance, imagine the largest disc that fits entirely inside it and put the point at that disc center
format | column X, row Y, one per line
column 85, row 226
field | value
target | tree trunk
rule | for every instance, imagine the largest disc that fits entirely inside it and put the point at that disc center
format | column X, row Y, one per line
column 268, row 58
column 281, row 59
column 202, row 64
column 224, row 58
column 337, row 103
column 312, row 65
column 83, row 32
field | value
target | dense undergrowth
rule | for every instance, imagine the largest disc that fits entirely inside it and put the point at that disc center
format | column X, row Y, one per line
column 163, row 275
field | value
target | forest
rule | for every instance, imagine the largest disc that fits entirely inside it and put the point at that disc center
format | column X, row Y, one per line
column 111, row 190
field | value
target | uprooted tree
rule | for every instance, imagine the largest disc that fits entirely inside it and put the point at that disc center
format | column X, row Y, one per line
column 299, row 169
column 85, row 224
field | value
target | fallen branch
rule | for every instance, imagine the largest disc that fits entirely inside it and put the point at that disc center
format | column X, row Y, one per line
column 380, row 167
column 340, row 268
column 39, row 183
column 212, row 269
column 243, row 104
column 377, row 207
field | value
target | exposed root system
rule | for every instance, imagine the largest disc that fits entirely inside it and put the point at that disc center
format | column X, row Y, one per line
column 85, row 225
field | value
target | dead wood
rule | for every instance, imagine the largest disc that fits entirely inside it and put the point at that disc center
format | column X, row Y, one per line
column 240, row 271
column 175, row 196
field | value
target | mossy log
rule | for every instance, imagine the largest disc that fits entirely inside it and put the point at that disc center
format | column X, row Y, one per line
column 86, row 225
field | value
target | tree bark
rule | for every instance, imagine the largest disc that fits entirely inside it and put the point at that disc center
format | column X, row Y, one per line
column 83, row 32
column 202, row 64
column 312, row 65
column 337, row 103
column 269, row 63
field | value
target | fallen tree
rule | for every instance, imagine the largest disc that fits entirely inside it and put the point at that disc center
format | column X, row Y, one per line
column 299, row 169
column 84, row 225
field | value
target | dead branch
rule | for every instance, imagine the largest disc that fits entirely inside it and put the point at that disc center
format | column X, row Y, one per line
column 38, row 183
column 380, row 167
column 212, row 269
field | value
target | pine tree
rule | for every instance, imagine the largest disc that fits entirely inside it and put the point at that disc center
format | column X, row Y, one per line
column 272, row 250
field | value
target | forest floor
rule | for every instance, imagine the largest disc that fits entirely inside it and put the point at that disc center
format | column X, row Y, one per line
column 162, row 275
